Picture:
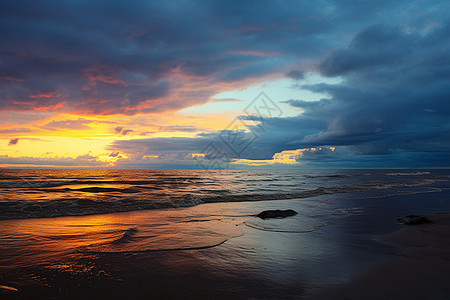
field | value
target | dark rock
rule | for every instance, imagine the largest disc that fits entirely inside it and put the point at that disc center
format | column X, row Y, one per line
column 412, row 216
column 267, row 214
column 401, row 220
column 418, row 220
column 414, row 220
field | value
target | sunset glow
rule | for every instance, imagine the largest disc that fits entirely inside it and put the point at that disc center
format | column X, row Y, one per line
column 146, row 91
column 198, row 149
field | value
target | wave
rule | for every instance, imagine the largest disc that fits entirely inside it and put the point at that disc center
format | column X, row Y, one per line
column 106, row 250
column 8, row 288
column 85, row 206
column 148, row 184
column 348, row 211
column 329, row 176
column 127, row 236
column 408, row 174
column 315, row 192
column 95, row 189
column 177, row 238
column 186, row 200
column 272, row 229
column 109, row 202
column 32, row 184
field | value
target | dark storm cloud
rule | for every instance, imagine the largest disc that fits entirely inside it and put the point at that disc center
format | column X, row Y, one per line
column 397, row 97
column 108, row 57
column 390, row 109
column 393, row 103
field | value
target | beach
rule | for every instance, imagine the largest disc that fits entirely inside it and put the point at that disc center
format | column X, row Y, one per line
column 232, row 260
column 419, row 271
column 346, row 245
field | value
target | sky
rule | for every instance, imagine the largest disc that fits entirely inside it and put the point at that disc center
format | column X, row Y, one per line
column 224, row 84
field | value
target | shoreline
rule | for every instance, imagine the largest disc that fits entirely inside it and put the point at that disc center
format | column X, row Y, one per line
column 203, row 265
column 85, row 206
column 335, row 261
column 418, row 271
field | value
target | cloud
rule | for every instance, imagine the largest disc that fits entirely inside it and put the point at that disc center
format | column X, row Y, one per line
column 120, row 130
column 174, row 128
column 15, row 130
column 82, row 161
column 227, row 100
column 296, row 74
column 389, row 59
column 375, row 46
column 115, row 58
column 127, row 131
column 160, row 145
column 13, row 142
column 114, row 154
column 389, row 109
column 79, row 124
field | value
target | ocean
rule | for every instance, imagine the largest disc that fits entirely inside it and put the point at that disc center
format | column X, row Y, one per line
column 180, row 233
column 52, row 193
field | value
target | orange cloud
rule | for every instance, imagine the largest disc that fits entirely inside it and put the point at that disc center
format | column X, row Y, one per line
column 49, row 107
column 48, row 95
column 103, row 74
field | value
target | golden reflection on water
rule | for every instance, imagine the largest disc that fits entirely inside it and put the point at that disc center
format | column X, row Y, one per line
column 43, row 241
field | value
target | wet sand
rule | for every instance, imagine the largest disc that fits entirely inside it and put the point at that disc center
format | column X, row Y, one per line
column 222, row 257
column 293, row 258
column 420, row 271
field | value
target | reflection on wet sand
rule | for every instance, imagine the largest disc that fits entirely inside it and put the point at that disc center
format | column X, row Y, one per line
column 123, row 249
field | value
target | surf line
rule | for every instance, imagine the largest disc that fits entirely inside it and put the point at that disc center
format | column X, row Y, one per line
column 9, row 288
column 157, row 250
column 152, row 250
column 254, row 226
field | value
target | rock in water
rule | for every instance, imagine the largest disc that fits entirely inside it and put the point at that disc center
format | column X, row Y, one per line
column 414, row 220
column 267, row 214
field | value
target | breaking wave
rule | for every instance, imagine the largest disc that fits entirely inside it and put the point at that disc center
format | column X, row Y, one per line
column 127, row 236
